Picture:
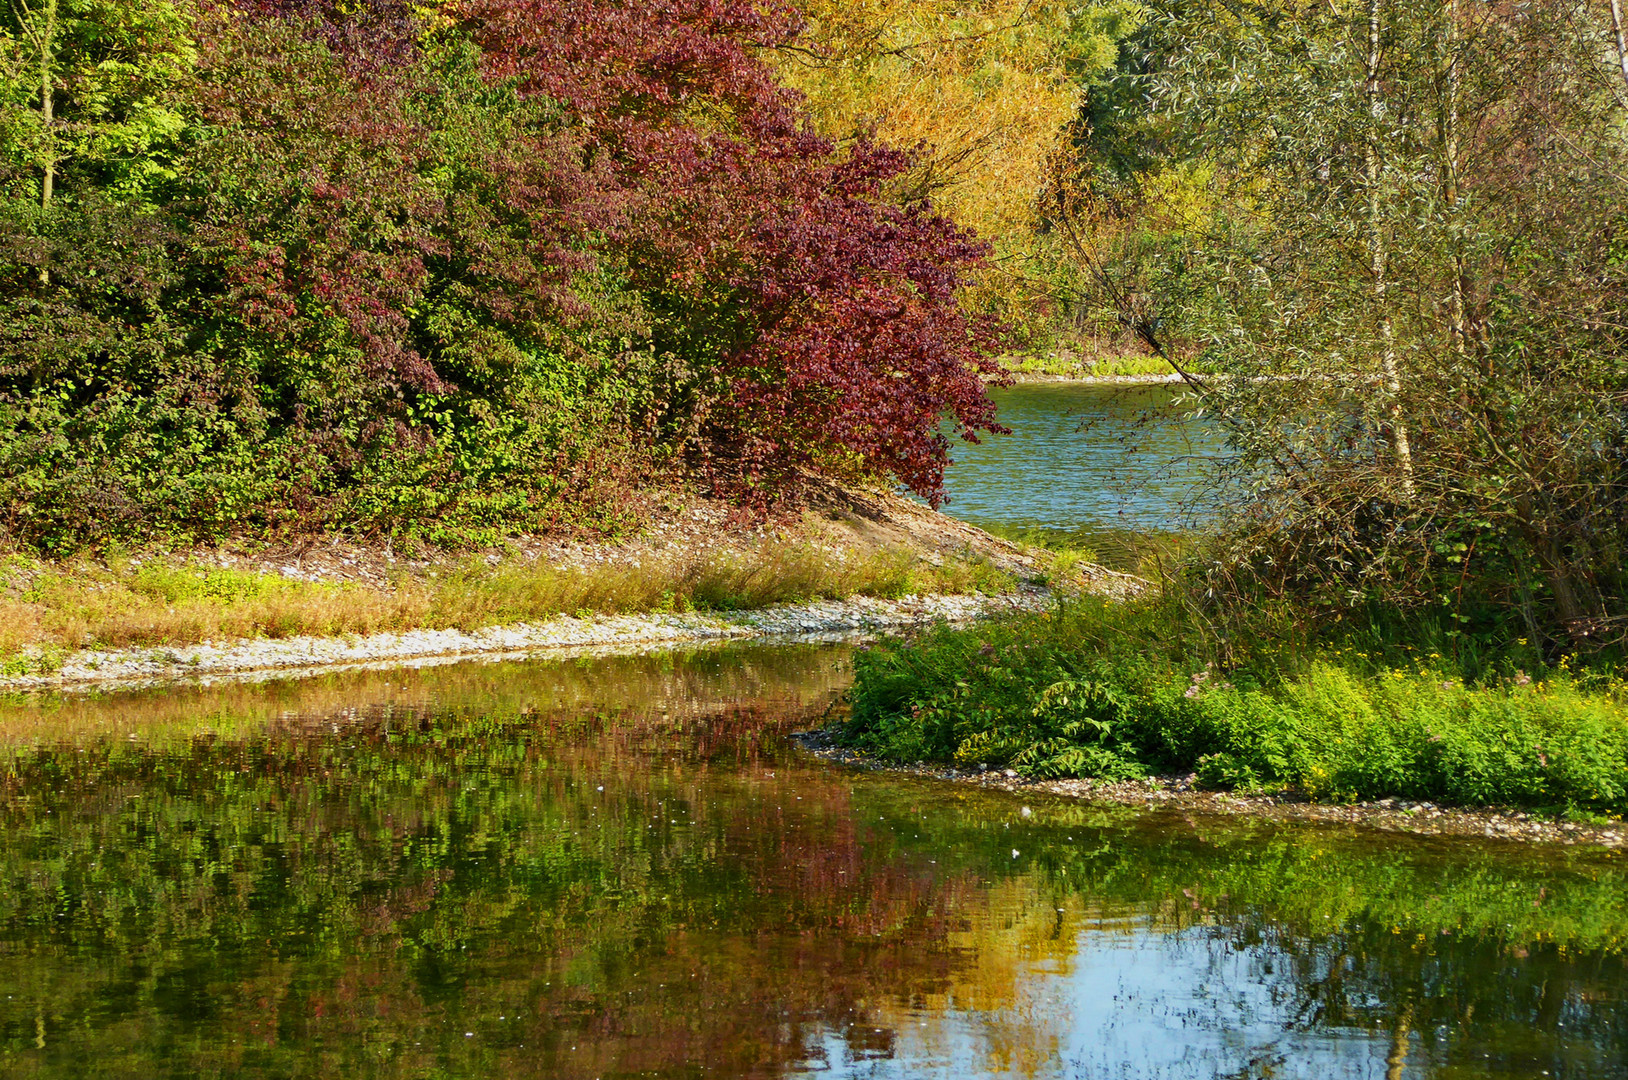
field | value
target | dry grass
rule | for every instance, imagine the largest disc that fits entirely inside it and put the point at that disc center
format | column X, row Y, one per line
column 57, row 607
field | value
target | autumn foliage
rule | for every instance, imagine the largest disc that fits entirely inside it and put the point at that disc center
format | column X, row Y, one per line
column 400, row 264
column 832, row 313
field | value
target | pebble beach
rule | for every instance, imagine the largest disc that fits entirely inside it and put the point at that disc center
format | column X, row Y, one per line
column 102, row 669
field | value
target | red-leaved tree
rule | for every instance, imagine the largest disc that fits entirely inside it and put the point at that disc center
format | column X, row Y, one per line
column 766, row 258
column 404, row 220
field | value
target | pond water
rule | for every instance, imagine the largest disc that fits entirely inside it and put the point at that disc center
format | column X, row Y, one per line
column 623, row 868
column 1094, row 465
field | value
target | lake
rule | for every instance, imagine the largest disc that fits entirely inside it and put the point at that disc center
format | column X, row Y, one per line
column 1093, row 465
column 622, row 867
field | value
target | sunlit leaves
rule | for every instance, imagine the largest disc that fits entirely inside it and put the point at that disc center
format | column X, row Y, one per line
column 114, row 70
column 986, row 88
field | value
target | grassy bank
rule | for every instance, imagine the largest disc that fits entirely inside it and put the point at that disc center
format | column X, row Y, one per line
column 1129, row 690
column 47, row 609
column 1064, row 364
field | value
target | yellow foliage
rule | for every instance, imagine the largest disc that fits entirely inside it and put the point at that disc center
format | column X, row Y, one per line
column 985, row 87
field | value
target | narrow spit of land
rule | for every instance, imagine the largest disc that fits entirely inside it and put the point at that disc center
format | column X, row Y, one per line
column 94, row 669
column 846, row 562
column 1119, row 363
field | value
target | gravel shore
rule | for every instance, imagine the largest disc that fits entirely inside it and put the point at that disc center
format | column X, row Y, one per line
column 1177, row 794
column 93, row 669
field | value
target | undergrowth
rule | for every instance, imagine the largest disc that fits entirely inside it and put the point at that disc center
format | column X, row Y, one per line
column 1130, row 690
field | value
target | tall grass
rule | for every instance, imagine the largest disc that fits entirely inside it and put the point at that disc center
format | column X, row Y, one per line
column 84, row 604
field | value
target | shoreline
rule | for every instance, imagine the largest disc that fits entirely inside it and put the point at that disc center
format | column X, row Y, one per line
column 92, row 670
column 1023, row 377
column 841, row 526
column 1178, row 795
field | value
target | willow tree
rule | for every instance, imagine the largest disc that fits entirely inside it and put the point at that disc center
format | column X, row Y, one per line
column 1420, row 291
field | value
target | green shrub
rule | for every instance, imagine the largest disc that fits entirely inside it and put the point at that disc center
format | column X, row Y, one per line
column 1110, row 692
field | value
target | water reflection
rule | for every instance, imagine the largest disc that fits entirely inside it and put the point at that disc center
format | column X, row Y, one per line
column 619, row 868
column 1094, row 465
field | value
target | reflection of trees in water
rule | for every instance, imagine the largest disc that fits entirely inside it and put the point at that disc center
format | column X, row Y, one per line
column 1480, row 957
column 593, row 881
column 1469, row 999
column 685, row 679
column 360, row 885
column 1428, row 1003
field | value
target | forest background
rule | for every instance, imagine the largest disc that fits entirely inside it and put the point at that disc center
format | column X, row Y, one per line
column 450, row 270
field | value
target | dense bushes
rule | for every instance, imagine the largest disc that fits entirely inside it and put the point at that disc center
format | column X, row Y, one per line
column 1119, row 692
column 445, row 269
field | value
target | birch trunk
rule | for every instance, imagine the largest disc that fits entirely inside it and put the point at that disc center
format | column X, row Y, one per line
column 41, row 27
column 1622, row 43
column 45, row 34
column 1400, row 445
column 1450, row 187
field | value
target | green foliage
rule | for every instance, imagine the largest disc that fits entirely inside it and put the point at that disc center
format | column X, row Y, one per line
column 454, row 474
column 1094, row 690
column 193, row 369
column 271, row 268
column 175, row 584
column 116, row 124
column 1412, row 278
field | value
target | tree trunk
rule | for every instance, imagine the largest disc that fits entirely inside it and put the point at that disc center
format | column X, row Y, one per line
column 1400, row 444
column 1622, row 43
column 45, row 33
column 46, row 36
column 1573, row 608
column 1450, row 190
column 1396, row 1061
